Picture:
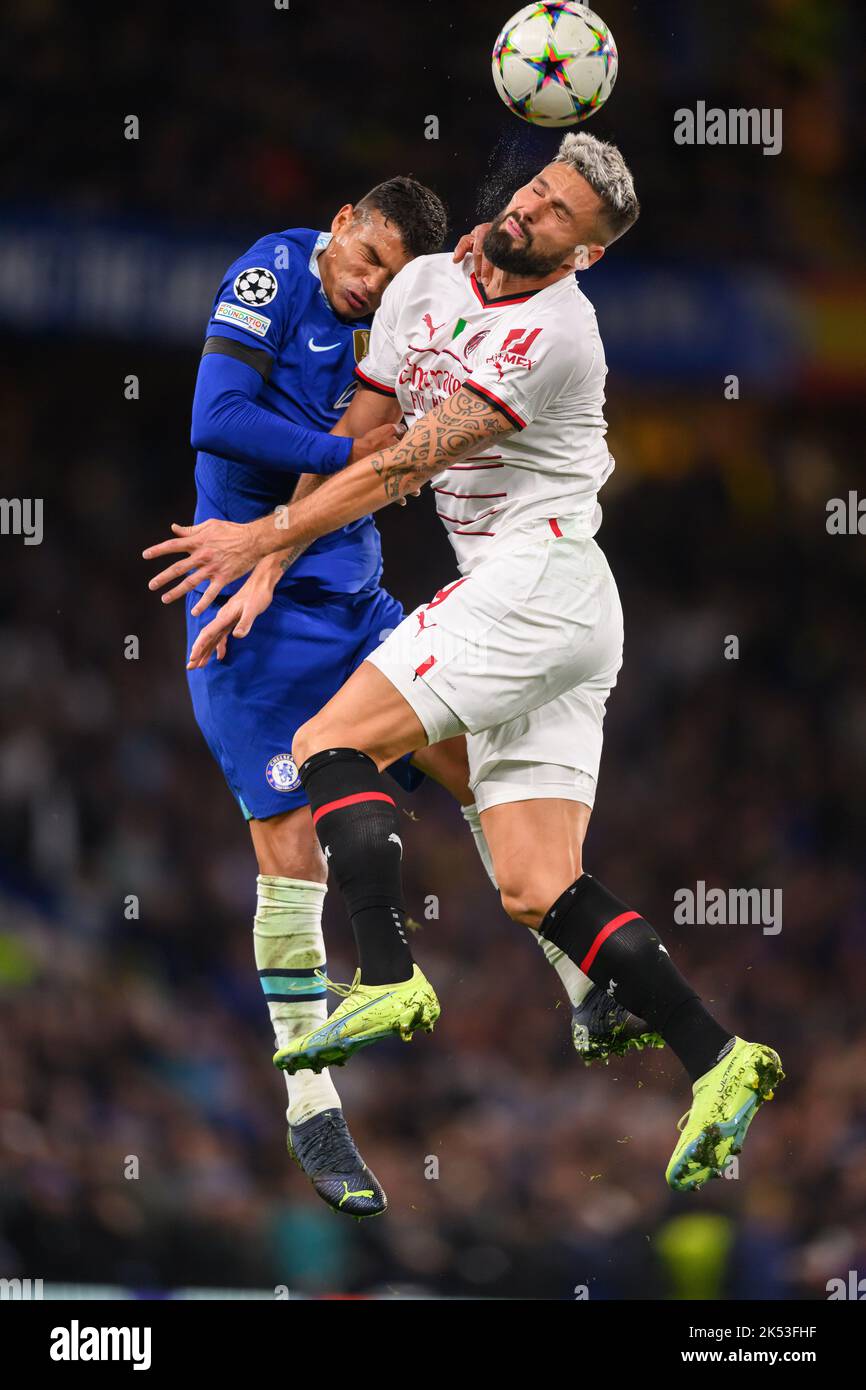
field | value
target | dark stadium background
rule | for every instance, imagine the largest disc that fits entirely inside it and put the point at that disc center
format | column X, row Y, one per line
column 149, row 1037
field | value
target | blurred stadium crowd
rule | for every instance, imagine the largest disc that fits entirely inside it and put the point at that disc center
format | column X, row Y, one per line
column 148, row 1037
column 131, row 1021
column 246, row 112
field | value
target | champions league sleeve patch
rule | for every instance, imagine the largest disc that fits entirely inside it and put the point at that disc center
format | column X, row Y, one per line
column 282, row 774
column 256, row 286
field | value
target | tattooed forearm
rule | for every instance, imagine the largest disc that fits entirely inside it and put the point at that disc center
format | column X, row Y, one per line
column 464, row 424
column 460, row 424
column 288, row 557
column 307, row 484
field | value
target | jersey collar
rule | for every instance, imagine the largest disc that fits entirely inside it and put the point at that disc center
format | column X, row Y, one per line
column 321, row 242
column 481, row 295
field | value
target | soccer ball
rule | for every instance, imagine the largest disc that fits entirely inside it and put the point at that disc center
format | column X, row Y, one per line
column 555, row 64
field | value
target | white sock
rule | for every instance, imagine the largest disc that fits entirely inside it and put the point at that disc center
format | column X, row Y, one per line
column 472, row 818
column 289, row 947
column 577, row 985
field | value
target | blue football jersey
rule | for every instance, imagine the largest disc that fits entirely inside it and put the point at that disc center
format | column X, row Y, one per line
column 272, row 298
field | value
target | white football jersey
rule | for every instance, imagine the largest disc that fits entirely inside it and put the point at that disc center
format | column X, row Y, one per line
column 537, row 357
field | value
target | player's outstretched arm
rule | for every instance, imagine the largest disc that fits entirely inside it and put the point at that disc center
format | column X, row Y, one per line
column 228, row 420
column 236, row 616
column 373, row 422
column 221, row 551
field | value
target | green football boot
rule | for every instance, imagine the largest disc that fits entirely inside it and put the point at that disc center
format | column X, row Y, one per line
column 726, row 1100
column 368, row 1014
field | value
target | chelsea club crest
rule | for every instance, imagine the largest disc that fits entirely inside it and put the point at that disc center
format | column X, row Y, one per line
column 282, row 774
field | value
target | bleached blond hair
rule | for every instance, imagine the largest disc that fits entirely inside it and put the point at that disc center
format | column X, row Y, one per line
column 608, row 175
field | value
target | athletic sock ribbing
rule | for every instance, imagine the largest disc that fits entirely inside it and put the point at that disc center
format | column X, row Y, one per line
column 289, row 949
column 619, row 950
column 359, row 831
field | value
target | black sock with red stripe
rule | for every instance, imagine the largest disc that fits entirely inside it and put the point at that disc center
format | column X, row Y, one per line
column 356, row 822
column 620, row 951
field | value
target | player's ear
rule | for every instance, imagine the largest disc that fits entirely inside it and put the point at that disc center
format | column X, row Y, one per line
column 343, row 218
column 585, row 256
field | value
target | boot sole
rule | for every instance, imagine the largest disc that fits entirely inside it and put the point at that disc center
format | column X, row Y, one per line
column 602, row 1052
column 711, row 1148
column 337, row 1052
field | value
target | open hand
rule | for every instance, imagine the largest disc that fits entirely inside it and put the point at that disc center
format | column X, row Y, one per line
column 216, row 552
column 234, row 619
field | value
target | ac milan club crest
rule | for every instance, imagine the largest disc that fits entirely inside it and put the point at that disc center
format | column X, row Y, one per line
column 474, row 341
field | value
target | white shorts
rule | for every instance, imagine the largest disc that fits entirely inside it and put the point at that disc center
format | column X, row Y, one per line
column 521, row 656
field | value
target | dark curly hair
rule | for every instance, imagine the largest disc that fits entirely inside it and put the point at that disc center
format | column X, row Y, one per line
column 414, row 209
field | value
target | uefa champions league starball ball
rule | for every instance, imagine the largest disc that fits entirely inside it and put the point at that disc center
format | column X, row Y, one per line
column 555, row 64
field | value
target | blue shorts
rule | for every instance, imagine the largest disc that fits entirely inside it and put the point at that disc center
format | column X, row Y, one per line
column 250, row 705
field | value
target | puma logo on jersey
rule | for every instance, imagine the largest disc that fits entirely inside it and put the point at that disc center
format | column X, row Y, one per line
column 431, row 326
column 397, row 841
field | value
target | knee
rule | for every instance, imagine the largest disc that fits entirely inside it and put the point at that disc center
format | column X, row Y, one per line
column 528, row 898
column 523, row 904
column 306, row 742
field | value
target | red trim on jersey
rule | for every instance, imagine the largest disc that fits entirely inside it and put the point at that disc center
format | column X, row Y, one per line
column 507, row 411
column 467, row 520
column 481, row 295
column 605, row 932
column 350, row 801
column 425, row 666
column 554, row 526
column 448, row 353
column 473, row 533
column 375, row 385
column 441, row 594
column 472, row 467
column 446, row 493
